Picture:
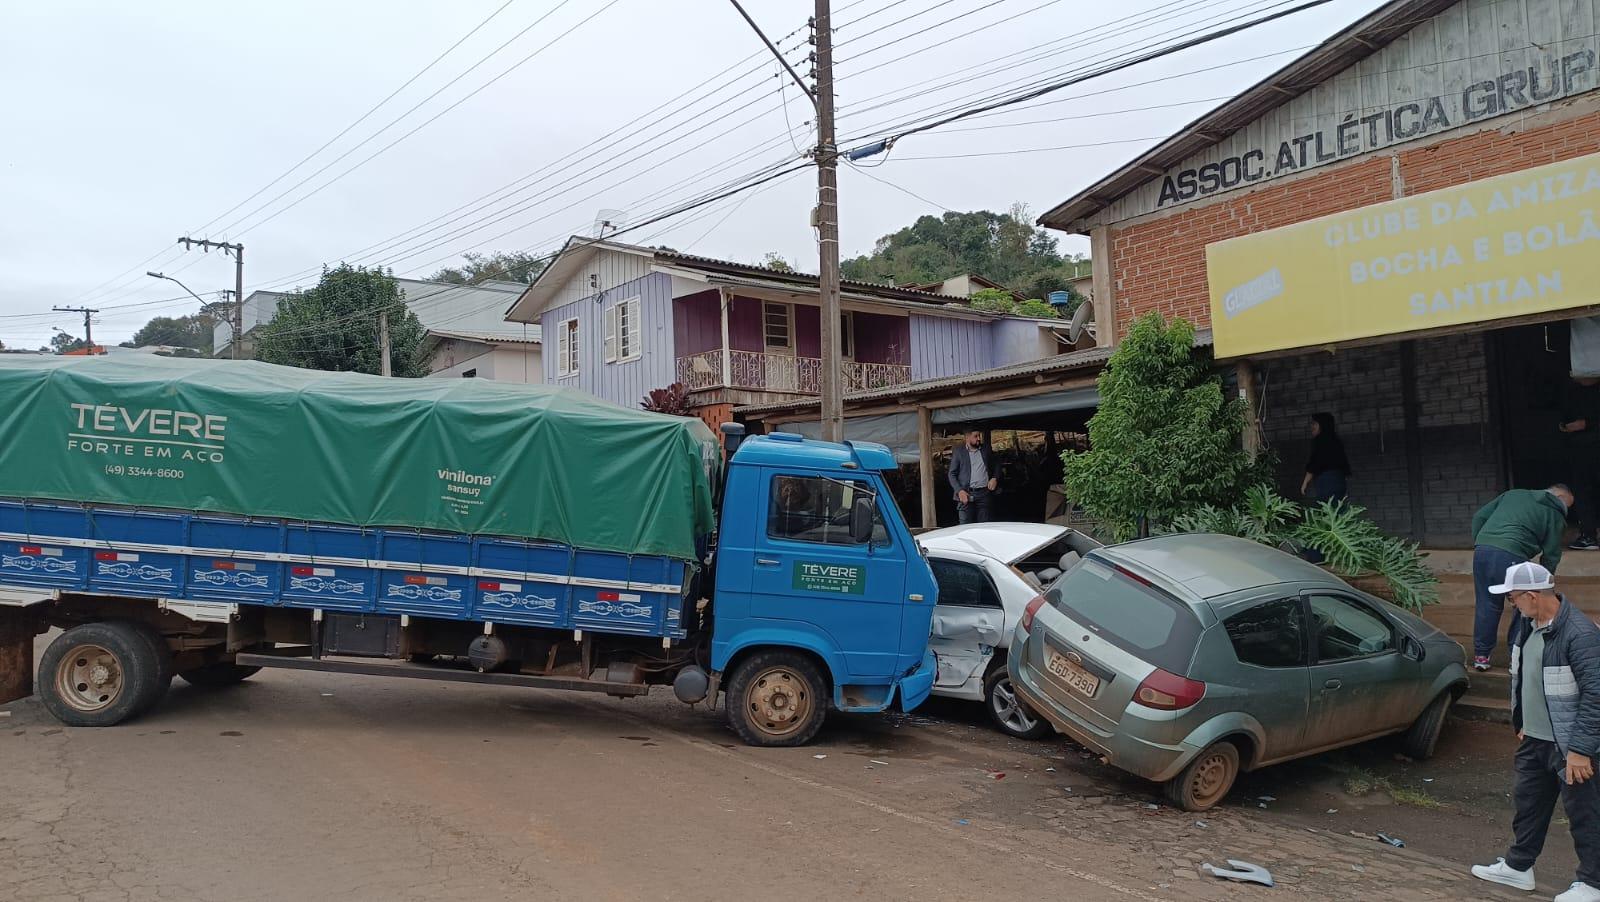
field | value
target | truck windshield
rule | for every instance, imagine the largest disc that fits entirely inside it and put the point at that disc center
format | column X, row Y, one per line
column 817, row 509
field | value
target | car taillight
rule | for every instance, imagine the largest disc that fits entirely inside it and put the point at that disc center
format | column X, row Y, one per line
column 1168, row 692
column 1028, row 612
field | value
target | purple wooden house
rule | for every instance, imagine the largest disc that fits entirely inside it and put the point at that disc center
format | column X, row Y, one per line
column 619, row 320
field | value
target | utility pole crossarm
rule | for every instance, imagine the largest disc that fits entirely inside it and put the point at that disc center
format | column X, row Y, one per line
column 235, row 250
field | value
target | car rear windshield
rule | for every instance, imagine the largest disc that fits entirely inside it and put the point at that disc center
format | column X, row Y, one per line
column 1137, row 618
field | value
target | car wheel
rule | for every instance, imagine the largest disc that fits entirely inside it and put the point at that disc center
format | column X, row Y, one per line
column 98, row 674
column 1207, row 779
column 776, row 698
column 1011, row 714
column 1419, row 741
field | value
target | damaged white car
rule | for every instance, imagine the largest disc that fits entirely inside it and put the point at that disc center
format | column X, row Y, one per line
column 987, row 574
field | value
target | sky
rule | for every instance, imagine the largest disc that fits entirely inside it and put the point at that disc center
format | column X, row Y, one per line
column 404, row 134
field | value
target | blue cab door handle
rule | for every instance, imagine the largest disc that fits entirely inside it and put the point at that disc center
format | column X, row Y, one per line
column 767, row 562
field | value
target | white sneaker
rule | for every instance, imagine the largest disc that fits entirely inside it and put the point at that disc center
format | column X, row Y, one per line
column 1506, row 875
column 1580, row 892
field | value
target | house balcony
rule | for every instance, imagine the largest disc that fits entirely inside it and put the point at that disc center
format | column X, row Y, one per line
column 758, row 371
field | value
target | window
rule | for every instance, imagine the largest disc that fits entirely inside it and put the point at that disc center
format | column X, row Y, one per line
column 847, row 335
column 1137, row 618
column 567, row 347
column 777, row 326
column 622, row 331
column 1348, row 629
column 470, row 374
column 1270, row 635
column 814, row 509
column 963, row 584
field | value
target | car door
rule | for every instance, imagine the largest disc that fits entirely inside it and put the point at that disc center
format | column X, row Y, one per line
column 1358, row 679
column 808, row 569
column 1270, row 677
column 968, row 621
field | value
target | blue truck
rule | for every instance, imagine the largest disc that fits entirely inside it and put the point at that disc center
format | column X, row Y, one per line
column 810, row 592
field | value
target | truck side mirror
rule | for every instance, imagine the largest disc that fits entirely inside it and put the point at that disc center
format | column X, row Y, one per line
column 862, row 515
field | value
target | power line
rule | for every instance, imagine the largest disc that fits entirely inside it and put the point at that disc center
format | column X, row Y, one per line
column 1106, row 70
column 424, row 123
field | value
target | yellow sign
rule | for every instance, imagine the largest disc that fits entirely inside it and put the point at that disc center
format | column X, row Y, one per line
column 1512, row 245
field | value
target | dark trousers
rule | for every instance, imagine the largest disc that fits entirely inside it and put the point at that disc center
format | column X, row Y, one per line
column 1540, row 778
column 1489, row 566
column 976, row 510
column 1583, row 464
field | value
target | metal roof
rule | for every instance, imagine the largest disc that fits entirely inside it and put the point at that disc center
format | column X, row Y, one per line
column 1090, row 358
column 1365, row 37
column 498, row 338
column 579, row 248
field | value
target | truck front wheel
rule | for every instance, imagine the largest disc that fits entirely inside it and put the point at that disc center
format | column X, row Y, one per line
column 776, row 698
column 98, row 674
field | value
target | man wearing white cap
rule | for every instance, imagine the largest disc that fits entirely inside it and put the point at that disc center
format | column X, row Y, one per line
column 1555, row 709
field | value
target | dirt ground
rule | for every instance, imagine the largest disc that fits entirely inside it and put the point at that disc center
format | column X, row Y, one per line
column 298, row 786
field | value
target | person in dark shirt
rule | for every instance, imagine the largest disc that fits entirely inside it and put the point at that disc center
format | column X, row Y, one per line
column 1580, row 426
column 1327, row 469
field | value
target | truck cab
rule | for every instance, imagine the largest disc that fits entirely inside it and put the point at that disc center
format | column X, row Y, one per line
column 822, row 595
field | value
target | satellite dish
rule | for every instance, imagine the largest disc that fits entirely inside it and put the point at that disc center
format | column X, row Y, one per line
column 1080, row 319
column 607, row 221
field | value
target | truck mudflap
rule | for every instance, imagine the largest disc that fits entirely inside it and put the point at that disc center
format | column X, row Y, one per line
column 918, row 684
column 16, row 653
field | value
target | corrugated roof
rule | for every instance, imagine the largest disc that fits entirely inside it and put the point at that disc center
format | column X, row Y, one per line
column 1365, row 37
column 559, row 269
column 1091, row 358
column 499, row 338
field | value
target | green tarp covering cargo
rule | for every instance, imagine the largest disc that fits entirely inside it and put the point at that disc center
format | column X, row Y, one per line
column 457, row 455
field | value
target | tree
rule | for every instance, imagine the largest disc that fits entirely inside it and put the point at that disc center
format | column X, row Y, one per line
column 62, row 342
column 1165, row 440
column 1004, row 247
column 192, row 331
column 512, row 266
column 774, row 260
column 334, row 326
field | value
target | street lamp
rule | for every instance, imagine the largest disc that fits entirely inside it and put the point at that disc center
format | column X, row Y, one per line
column 172, row 279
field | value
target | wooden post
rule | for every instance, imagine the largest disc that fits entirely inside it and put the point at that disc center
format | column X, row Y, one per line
column 930, row 511
column 16, row 654
column 1251, row 397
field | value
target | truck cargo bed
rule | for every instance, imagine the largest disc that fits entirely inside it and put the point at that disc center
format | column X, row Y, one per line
column 209, row 558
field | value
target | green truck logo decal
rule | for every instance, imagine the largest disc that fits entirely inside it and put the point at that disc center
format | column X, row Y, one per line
column 841, row 579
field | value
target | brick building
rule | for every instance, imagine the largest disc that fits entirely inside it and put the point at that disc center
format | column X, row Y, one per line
column 1439, row 410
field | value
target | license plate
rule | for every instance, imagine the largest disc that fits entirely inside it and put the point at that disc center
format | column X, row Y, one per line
column 1079, row 679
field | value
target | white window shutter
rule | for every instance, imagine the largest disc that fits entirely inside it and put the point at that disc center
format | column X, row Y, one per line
column 630, row 332
column 611, row 334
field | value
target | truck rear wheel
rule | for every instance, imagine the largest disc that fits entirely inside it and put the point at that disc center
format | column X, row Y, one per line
column 776, row 698
column 164, row 663
column 99, row 674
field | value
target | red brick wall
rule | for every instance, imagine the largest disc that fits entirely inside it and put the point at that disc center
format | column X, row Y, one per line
column 1160, row 264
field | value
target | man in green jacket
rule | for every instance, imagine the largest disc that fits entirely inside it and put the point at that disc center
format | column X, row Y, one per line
column 1507, row 531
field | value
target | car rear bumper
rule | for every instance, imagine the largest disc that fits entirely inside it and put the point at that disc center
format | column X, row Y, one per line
column 1140, row 757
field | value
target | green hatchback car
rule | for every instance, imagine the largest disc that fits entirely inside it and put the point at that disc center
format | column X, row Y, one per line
column 1184, row 659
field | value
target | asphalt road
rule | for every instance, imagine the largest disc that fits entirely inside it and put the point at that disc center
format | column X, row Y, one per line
column 303, row 786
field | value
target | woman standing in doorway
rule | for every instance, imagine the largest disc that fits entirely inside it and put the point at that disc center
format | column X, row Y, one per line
column 1327, row 469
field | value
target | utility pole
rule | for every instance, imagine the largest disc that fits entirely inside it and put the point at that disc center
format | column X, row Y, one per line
column 236, row 251
column 383, row 339
column 828, row 228
column 88, row 323
column 826, row 214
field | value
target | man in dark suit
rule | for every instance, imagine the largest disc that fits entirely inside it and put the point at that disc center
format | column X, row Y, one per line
column 974, row 478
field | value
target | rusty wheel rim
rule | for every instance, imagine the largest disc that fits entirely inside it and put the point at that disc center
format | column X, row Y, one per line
column 779, row 701
column 89, row 679
column 1211, row 779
